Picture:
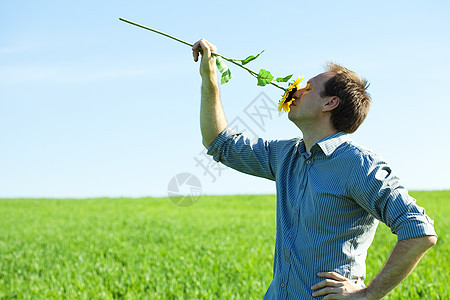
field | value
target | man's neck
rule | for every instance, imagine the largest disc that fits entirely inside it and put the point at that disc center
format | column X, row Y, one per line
column 315, row 130
column 311, row 137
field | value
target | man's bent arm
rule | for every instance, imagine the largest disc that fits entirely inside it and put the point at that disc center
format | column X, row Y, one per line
column 212, row 115
column 402, row 261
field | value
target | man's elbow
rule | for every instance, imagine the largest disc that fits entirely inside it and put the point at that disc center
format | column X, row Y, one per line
column 428, row 241
column 208, row 139
column 431, row 240
column 206, row 143
column 423, row 243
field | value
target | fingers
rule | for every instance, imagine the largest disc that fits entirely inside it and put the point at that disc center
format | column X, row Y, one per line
column 332, row 275
column 196, row 49
column 326, row 291
column 204, row 48
column 327, row 287
column 335, row 286
column 211, row 46
column 324, row 283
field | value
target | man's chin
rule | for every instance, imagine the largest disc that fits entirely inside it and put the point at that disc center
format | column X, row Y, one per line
column 290, row 115
column 293, row 116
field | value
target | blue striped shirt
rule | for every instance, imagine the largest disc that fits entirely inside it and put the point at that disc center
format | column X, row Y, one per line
column 328, row 205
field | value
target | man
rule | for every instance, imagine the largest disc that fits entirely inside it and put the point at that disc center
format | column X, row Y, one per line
column 331, row 192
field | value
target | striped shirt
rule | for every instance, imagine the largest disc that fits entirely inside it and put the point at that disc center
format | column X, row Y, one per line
column 328, row 205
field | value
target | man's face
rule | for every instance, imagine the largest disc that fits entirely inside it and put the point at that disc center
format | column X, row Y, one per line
column 308, row 103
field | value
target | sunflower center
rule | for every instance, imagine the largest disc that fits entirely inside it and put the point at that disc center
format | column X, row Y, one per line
column 290, row 95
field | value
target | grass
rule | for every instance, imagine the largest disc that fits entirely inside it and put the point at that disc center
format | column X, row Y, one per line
column 222, row 247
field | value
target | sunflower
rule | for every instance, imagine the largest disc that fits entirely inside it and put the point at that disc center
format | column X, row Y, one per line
column 287, row 98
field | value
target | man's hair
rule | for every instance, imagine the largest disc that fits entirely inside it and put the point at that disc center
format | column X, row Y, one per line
column 354, row 100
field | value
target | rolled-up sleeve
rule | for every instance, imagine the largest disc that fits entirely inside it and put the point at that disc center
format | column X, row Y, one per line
column 375, row 188
column 255, row 157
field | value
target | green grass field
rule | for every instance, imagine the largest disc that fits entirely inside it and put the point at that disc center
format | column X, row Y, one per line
column 221, row 247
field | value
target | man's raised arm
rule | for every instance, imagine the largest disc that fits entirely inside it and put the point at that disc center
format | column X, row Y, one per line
column 212, row 116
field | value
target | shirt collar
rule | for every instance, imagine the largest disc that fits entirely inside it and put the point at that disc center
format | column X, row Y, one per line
column 332, row 142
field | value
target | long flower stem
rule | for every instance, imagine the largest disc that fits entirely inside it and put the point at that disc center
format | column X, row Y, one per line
column 245, row 68
column 189, row 44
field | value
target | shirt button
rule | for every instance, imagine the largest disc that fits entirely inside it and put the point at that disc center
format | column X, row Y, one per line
column 308, row 162
column 291, row 236
column 282, row 285
column 287, row 258
column 302, row 187
column 295, row 211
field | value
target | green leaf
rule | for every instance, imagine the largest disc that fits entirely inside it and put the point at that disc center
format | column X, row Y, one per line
column 221, row 64
column 226, row 76
column 264, row 77
column 284, row 79
column 223, row 68
column 250, row 58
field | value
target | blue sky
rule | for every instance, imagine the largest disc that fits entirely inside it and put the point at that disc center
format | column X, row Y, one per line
column 91, row 106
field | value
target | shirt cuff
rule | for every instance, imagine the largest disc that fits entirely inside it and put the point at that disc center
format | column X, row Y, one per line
column 420, row 226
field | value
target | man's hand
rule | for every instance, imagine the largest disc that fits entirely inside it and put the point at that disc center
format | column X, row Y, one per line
column 208, row 61
column 337, row 286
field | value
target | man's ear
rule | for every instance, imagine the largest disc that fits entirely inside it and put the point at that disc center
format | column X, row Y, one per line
column 331, row 104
